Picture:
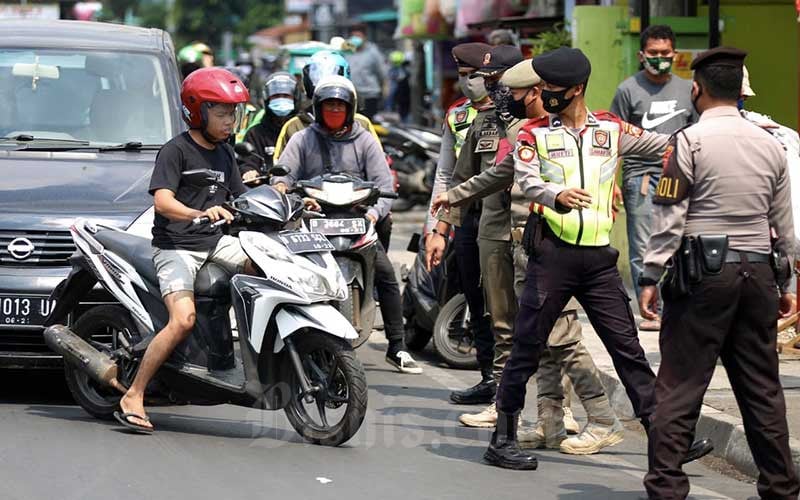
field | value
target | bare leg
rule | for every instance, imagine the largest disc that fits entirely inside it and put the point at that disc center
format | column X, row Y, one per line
column 181, row 321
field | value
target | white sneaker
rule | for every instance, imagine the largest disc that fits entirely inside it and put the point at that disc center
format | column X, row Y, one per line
column 569, row 421
column 594, row 438
column 486, row 418
column 404, row 363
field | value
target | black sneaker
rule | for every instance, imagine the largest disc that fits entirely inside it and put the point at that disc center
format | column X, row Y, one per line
column 403, row 362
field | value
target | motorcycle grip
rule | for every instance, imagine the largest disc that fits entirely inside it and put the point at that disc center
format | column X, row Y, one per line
column 388, row 194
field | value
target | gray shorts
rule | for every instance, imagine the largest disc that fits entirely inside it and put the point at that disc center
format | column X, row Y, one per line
column 177, row 269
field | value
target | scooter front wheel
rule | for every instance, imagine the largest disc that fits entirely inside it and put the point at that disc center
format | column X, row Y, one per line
column 333, row 410
column 452, row 337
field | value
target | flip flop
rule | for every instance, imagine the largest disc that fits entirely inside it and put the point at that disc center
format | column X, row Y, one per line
column 122, row 418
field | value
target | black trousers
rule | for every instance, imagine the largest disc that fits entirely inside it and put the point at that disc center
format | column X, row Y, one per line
column 469, row 271
column 389, row 297
column 558, row 272
column 731, row 316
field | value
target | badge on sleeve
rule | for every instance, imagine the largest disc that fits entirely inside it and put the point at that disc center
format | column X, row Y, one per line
column 461, row 116
column 673, row 187
column 629, row 129
column 526, row 153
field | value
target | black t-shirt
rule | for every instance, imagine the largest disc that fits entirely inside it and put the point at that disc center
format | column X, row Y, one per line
column 181, row 154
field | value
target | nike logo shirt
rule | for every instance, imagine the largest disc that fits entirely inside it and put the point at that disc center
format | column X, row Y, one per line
column 655, row 108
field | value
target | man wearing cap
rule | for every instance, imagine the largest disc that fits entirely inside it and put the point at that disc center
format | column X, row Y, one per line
column 565, row 353
column 469, row 57
column 655, row 100
column 479, row 151
column 723, row 213
column 566, row 164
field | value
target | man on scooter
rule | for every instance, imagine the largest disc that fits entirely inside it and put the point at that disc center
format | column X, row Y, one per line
column 211, row 98
column 336, row 138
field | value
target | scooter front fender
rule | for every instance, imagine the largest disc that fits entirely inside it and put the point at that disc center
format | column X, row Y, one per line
column 322, row 317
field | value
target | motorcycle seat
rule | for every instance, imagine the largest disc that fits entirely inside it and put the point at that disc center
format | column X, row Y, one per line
column 211, row 281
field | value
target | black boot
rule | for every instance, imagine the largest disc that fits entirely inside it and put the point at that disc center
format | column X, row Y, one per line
column 504, row 449
column 481, row 393
column 699, row 449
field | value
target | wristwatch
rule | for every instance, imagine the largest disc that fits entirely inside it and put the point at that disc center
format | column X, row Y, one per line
column 645, row 281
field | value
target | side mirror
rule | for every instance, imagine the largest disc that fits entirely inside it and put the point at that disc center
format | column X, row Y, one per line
column 244, row 149
column 278, row 171
column 201, row 177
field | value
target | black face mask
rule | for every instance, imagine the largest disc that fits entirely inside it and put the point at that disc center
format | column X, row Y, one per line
column 501, row 97
column 556, row 102
column 518, row 108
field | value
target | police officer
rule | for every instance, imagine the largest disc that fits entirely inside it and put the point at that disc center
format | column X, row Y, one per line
column 468, row 57
column 566, row 164
column 724, row 188
column 503, row 272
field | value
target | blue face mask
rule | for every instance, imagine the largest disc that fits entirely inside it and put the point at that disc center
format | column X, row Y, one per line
column 281, row 106
column 356, row 41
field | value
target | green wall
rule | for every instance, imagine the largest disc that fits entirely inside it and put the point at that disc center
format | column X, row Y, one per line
column 769, row 33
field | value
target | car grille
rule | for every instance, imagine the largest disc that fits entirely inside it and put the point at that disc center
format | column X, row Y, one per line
column 23, row 341
column 45, row 248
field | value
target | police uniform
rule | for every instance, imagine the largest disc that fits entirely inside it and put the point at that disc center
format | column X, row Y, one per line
column 503, row 262
column 573, row 257
column 723, row 176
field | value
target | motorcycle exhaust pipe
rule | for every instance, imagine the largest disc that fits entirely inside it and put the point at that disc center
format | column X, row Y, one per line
column 83, row 356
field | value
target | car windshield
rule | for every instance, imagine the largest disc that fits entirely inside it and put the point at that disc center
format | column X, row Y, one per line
column 102, row 97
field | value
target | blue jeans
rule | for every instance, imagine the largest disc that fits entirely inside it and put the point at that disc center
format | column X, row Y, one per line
column 639, row 213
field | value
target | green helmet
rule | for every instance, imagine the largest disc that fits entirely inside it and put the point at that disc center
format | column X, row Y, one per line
column 397, row 58
column 193, row 53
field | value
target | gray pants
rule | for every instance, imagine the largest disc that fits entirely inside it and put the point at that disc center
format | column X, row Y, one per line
column 497, row 273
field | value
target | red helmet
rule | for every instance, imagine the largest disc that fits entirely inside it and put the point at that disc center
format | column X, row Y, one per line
column 209, row 85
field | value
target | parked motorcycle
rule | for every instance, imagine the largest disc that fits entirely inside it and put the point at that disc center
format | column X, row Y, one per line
column 434, row 307
column 344, row 200
column 294, row 352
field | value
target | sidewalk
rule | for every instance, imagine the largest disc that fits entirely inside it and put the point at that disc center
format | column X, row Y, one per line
column 720, row 419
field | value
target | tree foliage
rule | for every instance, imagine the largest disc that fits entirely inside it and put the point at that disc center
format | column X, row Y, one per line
column 559, row 36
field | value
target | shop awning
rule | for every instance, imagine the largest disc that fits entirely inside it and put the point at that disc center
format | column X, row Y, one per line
column 379, row 16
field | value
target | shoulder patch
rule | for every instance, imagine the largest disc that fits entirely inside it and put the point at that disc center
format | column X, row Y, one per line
column 629, row 129
column 526, row 153
column 673, row 187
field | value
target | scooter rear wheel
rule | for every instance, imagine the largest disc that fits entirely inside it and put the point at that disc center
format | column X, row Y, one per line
column 339, row 390
column 102, row 327
column 452, row 338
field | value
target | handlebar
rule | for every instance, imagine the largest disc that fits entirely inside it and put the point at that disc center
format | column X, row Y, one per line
column 388, row 194
column 198, row 221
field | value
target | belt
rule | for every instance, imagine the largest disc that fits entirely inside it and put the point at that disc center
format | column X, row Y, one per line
column 735, row 257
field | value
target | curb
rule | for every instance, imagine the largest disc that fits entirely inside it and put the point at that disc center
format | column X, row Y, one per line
column 727, row 432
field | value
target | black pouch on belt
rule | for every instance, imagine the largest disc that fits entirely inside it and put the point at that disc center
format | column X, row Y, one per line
column 713, row 251
column 532, row 235
column 682, row 270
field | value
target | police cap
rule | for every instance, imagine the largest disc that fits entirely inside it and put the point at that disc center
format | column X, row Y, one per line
column 471, row 55
column 720, row 56
column 499, row 59
column 564, row 67
column 521, row 76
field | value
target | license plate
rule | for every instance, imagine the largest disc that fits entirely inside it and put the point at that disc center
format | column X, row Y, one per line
column 302, row 242
column 338, row 227
column 19, row 310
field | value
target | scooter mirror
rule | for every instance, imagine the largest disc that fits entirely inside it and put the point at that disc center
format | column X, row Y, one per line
column 201, row 177
column 244, row 149
column 278, row 171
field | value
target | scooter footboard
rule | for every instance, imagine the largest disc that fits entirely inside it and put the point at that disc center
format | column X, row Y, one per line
column 323, row 317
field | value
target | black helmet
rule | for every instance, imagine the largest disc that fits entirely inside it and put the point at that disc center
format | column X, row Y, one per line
column 335, row 87
column 282, row 82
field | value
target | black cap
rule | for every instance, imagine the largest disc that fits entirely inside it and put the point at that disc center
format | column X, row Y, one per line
column 499, row 59
column 564, row 67
column 471, row 54
column 720, row 56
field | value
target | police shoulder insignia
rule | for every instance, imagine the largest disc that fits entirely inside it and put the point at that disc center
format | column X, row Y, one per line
column 673, row 187
column 487, row 145
column 461, row 116
column 629, row 129
column 525, row 153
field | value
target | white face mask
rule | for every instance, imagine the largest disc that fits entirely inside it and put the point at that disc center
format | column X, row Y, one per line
column 473, row 88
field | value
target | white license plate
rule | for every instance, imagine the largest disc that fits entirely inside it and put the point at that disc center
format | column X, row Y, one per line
column 24, row 310
column 338, row 227
column 303, row 242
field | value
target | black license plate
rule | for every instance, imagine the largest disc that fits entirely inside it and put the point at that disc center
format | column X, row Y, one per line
column 24, row 310
column 338, row 227
column 302, row 242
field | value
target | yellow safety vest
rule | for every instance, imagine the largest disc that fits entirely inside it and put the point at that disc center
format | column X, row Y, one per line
column 587, row 161
column 459, row 118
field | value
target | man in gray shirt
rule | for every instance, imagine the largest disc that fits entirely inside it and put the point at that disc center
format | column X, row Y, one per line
column 657, row 101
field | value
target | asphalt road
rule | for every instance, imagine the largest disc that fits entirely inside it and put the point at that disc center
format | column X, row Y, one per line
column 410, row 447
